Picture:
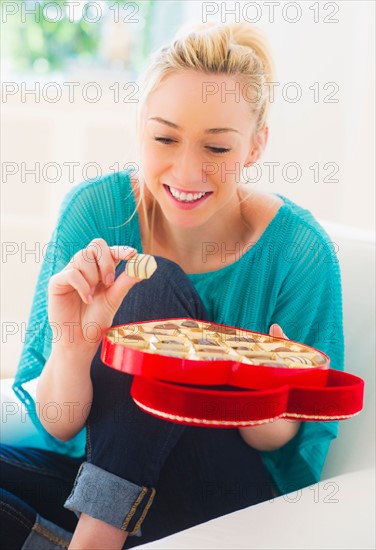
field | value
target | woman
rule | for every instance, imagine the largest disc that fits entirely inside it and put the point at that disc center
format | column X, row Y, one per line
column 226, row 253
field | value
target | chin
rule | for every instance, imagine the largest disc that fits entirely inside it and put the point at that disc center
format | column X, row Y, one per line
column 179, row 221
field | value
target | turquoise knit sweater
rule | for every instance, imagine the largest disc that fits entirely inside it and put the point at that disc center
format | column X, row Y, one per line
column 290, row 276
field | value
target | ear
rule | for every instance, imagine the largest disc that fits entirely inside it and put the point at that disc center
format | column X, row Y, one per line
column 259, row 143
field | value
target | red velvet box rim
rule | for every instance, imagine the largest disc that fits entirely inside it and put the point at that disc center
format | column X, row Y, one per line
column 309, row 393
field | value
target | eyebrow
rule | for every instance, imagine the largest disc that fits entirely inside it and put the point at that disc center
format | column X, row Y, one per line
column 208, row 131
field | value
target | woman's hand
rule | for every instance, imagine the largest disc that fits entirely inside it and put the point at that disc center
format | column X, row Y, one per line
column 82, row 301
column 275, row 434
column 276, row 331
column 84, row 297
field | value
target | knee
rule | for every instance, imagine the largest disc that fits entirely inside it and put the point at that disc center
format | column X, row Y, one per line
column 167, row 273
column 165, row 269
column 168, row 293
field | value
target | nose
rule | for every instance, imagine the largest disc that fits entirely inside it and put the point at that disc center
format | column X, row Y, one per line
column 188, row 169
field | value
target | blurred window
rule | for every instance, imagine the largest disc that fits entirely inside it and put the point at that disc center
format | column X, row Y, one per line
column 43, row 37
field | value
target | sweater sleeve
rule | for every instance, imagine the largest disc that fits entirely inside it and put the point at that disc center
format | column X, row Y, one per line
column 84, row 215
column 309, row 310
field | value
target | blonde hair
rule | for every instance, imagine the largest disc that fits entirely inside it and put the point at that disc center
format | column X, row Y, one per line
column 238, row 49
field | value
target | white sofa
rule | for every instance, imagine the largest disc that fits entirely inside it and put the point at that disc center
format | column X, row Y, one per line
column 338, row 512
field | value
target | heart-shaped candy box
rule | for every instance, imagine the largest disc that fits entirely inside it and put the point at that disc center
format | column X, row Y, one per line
column 201, row 373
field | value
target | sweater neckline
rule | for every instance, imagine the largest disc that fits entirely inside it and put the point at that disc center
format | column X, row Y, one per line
column 247, row 255
column 251, row 251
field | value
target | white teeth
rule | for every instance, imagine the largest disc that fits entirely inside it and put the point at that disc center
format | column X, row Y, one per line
column 185, row 197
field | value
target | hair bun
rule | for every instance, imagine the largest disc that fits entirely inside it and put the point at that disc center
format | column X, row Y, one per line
column 240, row 34
column 248, row 35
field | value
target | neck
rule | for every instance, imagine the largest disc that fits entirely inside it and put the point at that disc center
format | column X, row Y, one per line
column 224, row 233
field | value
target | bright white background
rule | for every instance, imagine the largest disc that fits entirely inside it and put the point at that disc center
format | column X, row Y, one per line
column 335, row 58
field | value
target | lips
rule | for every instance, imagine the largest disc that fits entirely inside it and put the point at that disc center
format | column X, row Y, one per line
column 186, row 200
column 186, row 195
column 179, row 190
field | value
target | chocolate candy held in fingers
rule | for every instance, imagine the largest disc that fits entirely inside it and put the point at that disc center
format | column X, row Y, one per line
column 141, row 266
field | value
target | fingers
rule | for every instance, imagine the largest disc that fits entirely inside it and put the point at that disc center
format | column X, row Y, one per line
column 276, row 331
column 68, row 279
column 97, row 261
column 117, row 292
column 120, row 253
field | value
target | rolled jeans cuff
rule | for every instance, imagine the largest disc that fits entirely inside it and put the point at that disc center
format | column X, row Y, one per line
column 109, row 498
column 45, row 535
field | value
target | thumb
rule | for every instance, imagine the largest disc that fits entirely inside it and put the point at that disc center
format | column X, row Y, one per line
column 276, row 331
column 120, row 288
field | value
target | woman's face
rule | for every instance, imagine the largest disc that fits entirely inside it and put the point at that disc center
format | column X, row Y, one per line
column 197, row 137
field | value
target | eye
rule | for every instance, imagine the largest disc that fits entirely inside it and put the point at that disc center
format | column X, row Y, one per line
column 218, row 150
column 215, row 150
column 164, row 140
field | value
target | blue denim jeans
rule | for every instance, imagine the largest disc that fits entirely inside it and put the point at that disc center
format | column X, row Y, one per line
column 140, row 470
column 34, row 486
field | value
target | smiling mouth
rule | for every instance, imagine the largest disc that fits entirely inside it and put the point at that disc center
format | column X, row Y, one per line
column 181, row 196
